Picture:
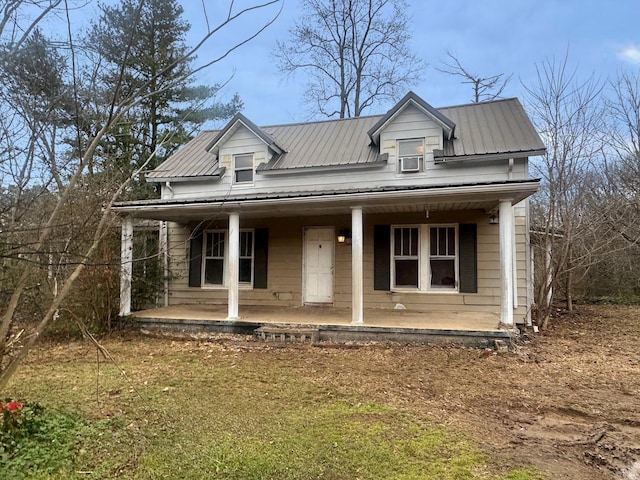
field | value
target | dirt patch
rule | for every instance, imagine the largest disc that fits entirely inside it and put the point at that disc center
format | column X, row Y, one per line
column 567, row 402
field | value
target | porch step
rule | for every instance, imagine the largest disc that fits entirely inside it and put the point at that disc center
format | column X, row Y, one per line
column 283, row 333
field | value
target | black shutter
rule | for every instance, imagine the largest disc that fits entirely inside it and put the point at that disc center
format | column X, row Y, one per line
column 195, row 259
column 468, row 258
column 381, row 257
column 260, row 254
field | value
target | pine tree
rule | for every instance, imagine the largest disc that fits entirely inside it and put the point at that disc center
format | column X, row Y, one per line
column 143, row 43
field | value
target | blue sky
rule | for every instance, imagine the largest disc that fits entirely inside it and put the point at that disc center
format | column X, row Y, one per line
column 488, row 36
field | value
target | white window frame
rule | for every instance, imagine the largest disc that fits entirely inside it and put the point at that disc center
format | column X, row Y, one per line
column 395, row 257
column 420, row 158
column 455, row 257
column 424, row 258
column 252, row 256
column 205, row 257
column 243, row 169
column 225, row 258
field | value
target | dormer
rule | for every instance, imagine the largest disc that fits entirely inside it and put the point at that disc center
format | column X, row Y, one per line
column 412, row 100
column 410, row 132
column 241, row 146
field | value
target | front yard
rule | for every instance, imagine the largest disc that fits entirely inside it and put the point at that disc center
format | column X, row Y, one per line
column 563, row 405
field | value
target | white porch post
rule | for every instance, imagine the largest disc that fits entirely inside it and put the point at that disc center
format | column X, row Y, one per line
column 164, row 251
column 506, row 262
column 126, row 266
column 357, row 316
column 234, row 265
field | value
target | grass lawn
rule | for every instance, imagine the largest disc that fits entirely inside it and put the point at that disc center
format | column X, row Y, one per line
column 227, row 409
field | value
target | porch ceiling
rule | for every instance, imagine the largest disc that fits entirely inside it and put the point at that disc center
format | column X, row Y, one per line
column 381, row 200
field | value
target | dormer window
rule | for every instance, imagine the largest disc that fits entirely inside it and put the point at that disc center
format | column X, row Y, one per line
column 243, row 168
column 411, row 155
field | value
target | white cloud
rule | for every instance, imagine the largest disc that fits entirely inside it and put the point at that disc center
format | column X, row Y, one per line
column 630, row 53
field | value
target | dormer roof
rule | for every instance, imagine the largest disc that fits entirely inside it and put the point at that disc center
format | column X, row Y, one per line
column 411, row 98
column 236, row 122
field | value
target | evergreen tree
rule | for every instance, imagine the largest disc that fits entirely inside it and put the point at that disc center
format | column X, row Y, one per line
column 143, row 43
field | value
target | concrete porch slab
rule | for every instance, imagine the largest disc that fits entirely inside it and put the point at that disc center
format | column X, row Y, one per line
column 333, row 324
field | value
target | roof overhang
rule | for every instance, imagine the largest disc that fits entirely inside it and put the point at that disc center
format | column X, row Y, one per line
column 217, row 175
column 484, row 196
column 381, row 162
column 439, row 157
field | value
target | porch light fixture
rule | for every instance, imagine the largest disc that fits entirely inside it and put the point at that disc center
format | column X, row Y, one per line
column 344, row 236
column 493, row 219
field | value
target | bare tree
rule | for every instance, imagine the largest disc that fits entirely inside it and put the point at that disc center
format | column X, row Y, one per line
column 355, row 52
column 484, row 88
column 573, row 231
column 85, row 146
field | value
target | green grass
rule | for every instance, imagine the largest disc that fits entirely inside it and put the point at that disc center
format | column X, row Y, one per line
column 231, row 416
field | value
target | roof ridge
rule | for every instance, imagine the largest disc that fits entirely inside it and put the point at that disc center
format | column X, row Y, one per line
column 474, row 104
column 328, row 120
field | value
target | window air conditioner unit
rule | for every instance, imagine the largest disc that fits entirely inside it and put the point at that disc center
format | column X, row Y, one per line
column 410, row 164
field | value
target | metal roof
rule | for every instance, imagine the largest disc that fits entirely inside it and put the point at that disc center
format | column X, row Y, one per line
column 487, row 129
column 500, row 126
column 192, row 160
column 326, row 143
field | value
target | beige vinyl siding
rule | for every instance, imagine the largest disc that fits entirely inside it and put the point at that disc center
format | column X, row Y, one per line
column 285, row 265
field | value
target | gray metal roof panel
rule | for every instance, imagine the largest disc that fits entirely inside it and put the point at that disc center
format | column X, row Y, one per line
column 486, row 128
column 191, row 160
column 499, row 126
column 325, row 143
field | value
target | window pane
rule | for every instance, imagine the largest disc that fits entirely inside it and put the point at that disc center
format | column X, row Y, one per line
column 244, row 176
column 397, row 241
column 246, row 244
column 407, row 273
column 443, row 273
column 410, row 148
column 245, row 270
column 433, row 240
column 414, row 242
column 442, row 241
column 244, row 161
column 213, row 271
column 451, row 234
column 209, row 249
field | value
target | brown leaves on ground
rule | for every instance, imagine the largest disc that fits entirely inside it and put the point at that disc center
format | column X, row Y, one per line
column 566, row 402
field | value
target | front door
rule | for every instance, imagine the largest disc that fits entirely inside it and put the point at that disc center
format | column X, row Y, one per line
column 318, row 264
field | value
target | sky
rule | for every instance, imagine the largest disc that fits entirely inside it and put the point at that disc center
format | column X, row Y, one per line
column 602, row 38
column 514, row 37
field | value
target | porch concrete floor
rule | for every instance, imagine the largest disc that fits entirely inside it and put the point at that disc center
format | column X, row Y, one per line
column 312, row 315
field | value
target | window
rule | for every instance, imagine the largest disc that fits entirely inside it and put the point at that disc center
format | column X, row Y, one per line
column 215, row 257
column 442, row 257
column 406, row 257
column 410, row 155
column 246, row 257
column 243, row 168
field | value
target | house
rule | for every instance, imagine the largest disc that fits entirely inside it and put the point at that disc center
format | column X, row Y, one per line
column 420, row 208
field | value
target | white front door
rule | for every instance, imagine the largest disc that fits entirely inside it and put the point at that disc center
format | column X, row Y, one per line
column 318, row 264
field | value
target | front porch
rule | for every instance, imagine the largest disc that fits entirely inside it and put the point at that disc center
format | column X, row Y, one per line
column 333, row 324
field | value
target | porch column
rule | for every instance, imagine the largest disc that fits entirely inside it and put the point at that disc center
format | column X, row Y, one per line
column 357, row 317
column 506, row 262
column 164, row 251
column 234, row 265
column 126, row 266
